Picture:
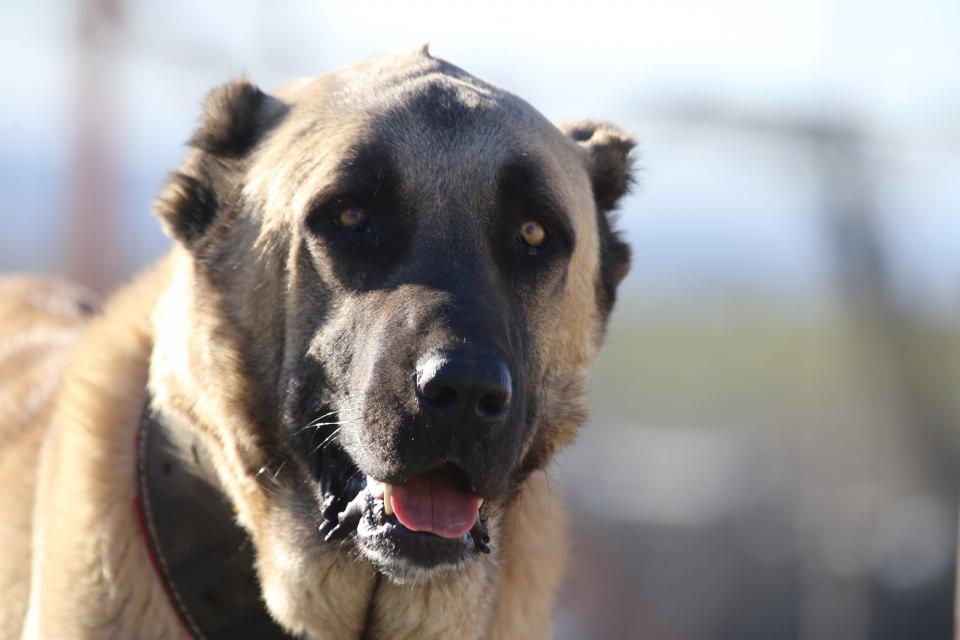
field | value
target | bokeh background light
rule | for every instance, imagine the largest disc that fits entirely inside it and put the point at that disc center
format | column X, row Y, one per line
column 774, row 444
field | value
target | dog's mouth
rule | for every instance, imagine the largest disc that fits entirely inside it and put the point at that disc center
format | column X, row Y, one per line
column 430, row 520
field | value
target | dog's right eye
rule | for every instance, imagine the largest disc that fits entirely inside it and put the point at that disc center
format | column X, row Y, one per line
column 351, row 219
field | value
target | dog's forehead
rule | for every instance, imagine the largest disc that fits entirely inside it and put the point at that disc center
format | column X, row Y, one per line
column 440, row 126
column 389, row 88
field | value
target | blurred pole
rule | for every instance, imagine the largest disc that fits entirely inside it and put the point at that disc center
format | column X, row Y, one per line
column 94, row 219
column 891, row 351
column 887, row 336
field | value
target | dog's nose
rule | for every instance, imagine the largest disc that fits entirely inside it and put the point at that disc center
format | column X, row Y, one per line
column 460, row 390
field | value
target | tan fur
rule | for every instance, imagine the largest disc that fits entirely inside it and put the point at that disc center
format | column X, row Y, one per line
column 39, row 320
column 91, row 575
column 71, row 394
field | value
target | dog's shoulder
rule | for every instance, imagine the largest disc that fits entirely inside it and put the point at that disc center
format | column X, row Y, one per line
column 40, row 318
column 85, row 478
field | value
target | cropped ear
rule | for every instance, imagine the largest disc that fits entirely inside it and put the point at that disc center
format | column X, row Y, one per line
column 609, row 158
column 610, row 163
column 236, row 115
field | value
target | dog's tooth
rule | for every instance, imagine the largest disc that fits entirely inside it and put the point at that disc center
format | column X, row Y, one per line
column 387, row 505
column 481, row 503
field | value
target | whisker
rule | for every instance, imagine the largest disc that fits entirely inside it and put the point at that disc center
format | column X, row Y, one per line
column 315, row 426
column 326, row 441
column 280, row 468
column 273, row 478
column 321, row 417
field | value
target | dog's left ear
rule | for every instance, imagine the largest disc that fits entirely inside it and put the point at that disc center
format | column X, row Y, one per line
column 609, row 158
column 236, row 116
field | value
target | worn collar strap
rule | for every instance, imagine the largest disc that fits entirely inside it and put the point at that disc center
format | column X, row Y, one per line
column 199, row 552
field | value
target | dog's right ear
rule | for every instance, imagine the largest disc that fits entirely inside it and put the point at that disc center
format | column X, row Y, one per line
column 236, row 116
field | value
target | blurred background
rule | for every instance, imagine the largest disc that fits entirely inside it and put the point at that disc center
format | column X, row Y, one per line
column 775, row 436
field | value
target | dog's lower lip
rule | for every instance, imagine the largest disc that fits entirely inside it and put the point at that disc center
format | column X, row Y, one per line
column 392, row 546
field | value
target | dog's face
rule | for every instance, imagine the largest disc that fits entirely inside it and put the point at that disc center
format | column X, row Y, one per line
column 406, row 272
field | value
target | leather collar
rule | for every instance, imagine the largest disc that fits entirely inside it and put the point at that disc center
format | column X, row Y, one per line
column 202, row 556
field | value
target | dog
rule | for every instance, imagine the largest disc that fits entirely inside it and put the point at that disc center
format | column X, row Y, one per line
column 341, row 389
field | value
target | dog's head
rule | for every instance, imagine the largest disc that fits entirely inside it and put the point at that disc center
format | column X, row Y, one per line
column 396, row 276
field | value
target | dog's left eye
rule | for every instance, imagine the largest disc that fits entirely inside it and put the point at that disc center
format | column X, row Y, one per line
column 533, row 233
column 351, row 219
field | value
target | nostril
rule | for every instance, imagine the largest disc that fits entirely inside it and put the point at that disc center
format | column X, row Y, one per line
column 493, row 405
column 440, row 396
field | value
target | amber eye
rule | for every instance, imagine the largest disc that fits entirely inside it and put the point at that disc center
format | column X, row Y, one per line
column 533, row 233
column 351, row 219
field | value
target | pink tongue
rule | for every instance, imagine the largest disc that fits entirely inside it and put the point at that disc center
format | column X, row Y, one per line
column 432, row 502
